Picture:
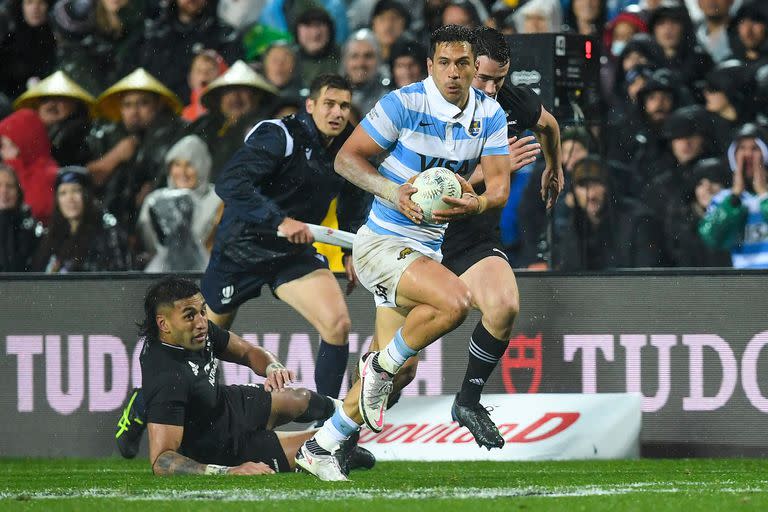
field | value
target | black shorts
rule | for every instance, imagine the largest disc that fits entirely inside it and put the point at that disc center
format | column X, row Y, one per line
column 264, row 446
column 459, row 261
column 225, row 291
column 256, row 443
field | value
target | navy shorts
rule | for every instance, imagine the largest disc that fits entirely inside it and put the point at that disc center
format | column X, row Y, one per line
column 225, row 290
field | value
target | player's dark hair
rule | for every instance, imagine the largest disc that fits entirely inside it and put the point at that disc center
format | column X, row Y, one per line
column 492, row 44
column 163, row 293
column 330, row 80
column 452, row 34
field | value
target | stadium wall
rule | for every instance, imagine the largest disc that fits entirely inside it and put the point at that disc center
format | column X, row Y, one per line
column 691, row 343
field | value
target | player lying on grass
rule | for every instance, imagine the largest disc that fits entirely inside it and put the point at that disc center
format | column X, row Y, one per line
column 197, row 426
column 439, row 122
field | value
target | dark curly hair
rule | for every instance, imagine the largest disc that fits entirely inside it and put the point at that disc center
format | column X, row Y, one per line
column 164, row 293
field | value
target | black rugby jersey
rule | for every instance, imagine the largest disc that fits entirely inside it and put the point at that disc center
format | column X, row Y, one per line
column 181, row 388
column 522, row 107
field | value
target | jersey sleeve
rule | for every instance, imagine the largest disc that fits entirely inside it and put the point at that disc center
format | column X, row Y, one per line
column 496, row 138
column 219, row 338
column 167, row 398
column 385, row 120
column 523, row 104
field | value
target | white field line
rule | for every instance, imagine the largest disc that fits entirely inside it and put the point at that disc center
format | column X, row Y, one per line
column 384, row 494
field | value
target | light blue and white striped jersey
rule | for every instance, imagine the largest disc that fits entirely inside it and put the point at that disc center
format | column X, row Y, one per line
column 421, row 130
column 752, row 251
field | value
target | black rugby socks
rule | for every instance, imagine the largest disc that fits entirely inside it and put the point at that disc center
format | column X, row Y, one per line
column 484, row 354
column 320, row 408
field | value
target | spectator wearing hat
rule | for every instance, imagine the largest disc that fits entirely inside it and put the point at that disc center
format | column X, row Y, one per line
column 27, row 45
column 170, row 42
column 616, row 35
column 98, row 40
column 539, row 17
column 128, row 149
column 672, row 28
column 688, row 139
column 725, row 95
column 65, row 109
column 361, row 66
column 283, row 15
column 712, row 31
column 683, row 245
column 240, row 14
column 279, row 63
column 637, row 141
column 737, row 218
column 207, row 65
column 407, row 63
column 235, row 101
column 606, row 232
column 80, row 237
column 389, row 22
column 19, row 231
column 640, row 50
column 25, row 147
column 318, row 51
column 749, row 28
column 177, row 223
column 575, row 144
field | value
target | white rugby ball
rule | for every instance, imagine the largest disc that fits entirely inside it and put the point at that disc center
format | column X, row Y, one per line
column 431, row 185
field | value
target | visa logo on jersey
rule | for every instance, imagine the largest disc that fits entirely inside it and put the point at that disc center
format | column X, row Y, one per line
column 458, row 166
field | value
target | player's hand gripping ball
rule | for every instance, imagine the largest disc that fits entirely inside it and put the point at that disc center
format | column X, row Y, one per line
column 431, row 186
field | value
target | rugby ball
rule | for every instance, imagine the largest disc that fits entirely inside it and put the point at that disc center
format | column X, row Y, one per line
column 431, row 185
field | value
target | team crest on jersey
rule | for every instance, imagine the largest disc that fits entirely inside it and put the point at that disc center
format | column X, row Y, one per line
column 195, row 368
column 475, row 127
column 226, row 294
column 405, row 252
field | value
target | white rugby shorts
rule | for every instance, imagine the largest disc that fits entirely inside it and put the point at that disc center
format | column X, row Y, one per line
column 380, row 261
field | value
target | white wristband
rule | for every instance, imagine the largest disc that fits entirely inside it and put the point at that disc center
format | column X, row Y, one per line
column 215, row 469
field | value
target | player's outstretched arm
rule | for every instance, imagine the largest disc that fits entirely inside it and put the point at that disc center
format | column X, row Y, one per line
column 548, row 131
column 165, row 440
column 352, row 163
column 261, row 361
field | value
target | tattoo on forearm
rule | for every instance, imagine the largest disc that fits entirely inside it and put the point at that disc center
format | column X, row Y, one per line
column 173, row 463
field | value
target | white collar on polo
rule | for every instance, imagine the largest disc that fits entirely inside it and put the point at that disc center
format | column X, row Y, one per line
column 447, row 111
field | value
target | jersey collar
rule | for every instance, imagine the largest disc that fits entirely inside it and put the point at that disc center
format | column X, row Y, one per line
column 447, row 111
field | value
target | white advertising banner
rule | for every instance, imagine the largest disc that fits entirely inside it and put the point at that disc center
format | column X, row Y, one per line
column 535, row 427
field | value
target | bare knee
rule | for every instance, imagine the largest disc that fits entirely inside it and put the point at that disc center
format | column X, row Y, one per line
column 335, row 329
column 455, row 307
column 293, row 401
column 499, row 317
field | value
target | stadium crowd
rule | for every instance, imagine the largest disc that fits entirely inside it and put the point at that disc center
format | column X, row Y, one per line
column 117, row 115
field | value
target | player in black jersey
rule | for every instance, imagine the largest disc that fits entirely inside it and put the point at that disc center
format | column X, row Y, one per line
column 196, row 426
column 472, row 245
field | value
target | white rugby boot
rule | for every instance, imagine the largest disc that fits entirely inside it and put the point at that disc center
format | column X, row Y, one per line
column 323, row 466
column 375, row 388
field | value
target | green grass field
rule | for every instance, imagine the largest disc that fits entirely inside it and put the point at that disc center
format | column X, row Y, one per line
column 657, row 485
